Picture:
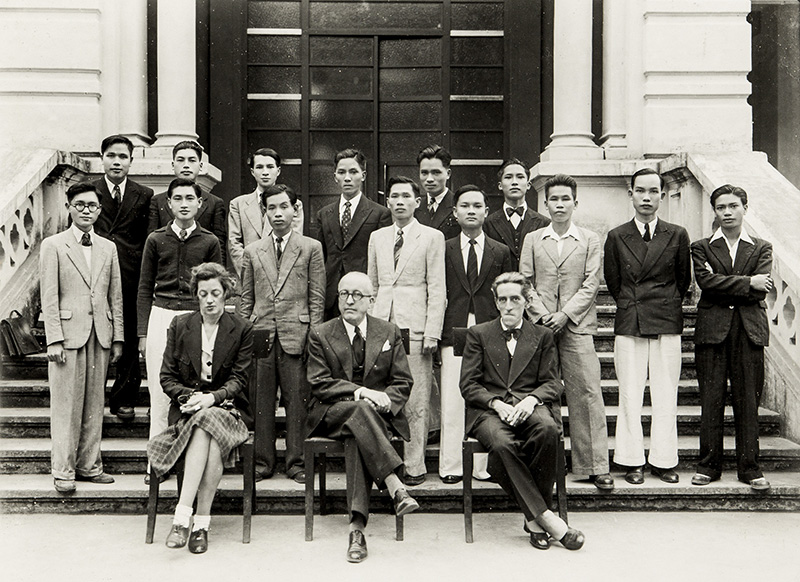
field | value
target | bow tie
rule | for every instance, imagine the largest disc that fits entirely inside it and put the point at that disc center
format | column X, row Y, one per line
column 519, row 210
column 510, row 334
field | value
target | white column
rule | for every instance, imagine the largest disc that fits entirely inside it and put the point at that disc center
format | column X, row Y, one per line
column 133, row 71
column 177, row 59
column 572, row 136
column 614, row 137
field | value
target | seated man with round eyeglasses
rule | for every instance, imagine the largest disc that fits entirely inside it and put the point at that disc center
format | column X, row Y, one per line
column 360, row 382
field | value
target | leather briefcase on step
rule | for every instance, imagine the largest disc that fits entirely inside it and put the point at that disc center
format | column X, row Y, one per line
column 17, row 336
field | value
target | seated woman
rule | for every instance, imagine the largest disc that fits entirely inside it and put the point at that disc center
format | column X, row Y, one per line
column 205, row 374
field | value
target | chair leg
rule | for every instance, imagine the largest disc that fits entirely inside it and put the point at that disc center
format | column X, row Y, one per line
column 561, row 481
column 323, row 493
column 398, row 528
column 309, row 458
column 152, row 507
column 467, row 488
column 248, row 477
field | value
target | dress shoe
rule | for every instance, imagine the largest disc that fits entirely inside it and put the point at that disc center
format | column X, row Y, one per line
column 539, row 539
column 635, row 475
column 604, row 482
column 404, row 503
column 125, row 413
column 412, row 480
column 759, row 484
column 177, row 536
column 198, row 541
column 357, row 550
column 451, row 479
column 262, row 476
column 573, row 539
column 64, row 485
column 299, row 477
column 102, row 478
column 666, row 475
column 701, row 479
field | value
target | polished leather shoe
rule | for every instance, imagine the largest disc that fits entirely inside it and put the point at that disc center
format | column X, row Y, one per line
column 573, row 539
column 760, row 484
column 102, row 478
column 701, row 479
column 299, row 477
column 635, row 475
column 177, row 536
column 666, row 475
column 198, row 541
column 412, row 480
column 125, row 413
column 404, row 503
column 539, row 539
column 357, row 550
column 64, row 485
column 451, row 479
column 604, row 482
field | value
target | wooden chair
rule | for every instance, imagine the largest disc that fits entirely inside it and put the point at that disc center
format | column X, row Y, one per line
column 472, row 446
column 246, row 450
column 317, row 450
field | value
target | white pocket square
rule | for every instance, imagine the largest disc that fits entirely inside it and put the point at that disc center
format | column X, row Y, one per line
column 709, row 268
column 386, row 346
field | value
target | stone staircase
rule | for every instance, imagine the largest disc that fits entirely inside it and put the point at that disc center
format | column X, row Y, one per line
column 26, row 486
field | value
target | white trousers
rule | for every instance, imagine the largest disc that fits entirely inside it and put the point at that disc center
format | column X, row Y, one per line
column 635, row 359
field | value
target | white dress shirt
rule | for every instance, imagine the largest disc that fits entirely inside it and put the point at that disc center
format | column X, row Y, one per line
column 353, row 205
column 640, row 226
column 515, row 218
column 122, row 186
column 87, row 251
column 177, row 229
column 512, row 343
column 207, row 357
column 480, row 241
column 732, row 248
column 572, row 231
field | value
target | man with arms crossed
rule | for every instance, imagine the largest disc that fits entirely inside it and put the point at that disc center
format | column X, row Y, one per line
column 406, row 268
column 360, row 382
column 647, row 272
column 562, row 262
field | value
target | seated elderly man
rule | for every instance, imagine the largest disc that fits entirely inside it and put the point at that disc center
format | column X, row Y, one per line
column 510, row 382
column 360, row 382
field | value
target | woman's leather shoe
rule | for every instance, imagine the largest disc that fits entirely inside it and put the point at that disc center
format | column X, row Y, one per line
column 573, row 539
column 177, row 536
column 198, row 541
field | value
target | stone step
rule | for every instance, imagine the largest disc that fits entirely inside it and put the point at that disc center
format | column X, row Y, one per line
column 688, row 392
column 605, row 315
column 35, row 366
column 128, row 495
column 128, row 455
column 688, row 371
column 35, row 422
column 604, row 340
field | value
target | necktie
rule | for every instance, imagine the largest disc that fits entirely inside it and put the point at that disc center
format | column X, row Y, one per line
column 86, row 240
column 472, row 264
column 431, row 205
column 278, row 247
column 518, row 210
column 183, row 234
column 358, row 349
column 510, row 334
column 117, row 193
column 346, row 218
column 646, row 235
column 398, row 246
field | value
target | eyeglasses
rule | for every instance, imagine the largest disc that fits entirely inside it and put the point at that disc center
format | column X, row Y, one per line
column 81, row 206
column 356, row 295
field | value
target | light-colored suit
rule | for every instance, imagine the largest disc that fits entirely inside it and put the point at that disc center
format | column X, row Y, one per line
column 247, row 225
column 568, row 282
column 413, row 297
column 83, row 311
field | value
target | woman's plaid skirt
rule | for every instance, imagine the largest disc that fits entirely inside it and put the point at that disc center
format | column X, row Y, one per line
column 165, row 449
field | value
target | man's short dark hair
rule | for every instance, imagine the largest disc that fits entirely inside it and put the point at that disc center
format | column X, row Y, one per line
column 357, row 155
column 469, row 188
column 251, row 159
column 188, row 145
column 729, row 189
column 209, row 271
column 403, row 180
column 115, row 139
column 561, row 180
column 513, row 162
column 80, row 188
column 647, row 172
column 435, row 152
column 178, row 182
column 276, row 189
column 513, row 277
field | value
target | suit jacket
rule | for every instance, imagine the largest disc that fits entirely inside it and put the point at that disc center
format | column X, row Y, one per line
column 288, row 300
column 496, row 260
column 126, row 226
column 230, row 368
column 443, row 219
column 330, row 369
column 211, row 216
column 486, row 372
column 567, row 283
column 498, row 227
column 345, row 255
column 75, row 300
column 414, row 293
column 648, row 280
column 726, row 289
column 247, row 225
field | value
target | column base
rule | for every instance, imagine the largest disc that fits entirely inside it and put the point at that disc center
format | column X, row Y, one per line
column 572, row 146
column 615, row 146
column 170, row 139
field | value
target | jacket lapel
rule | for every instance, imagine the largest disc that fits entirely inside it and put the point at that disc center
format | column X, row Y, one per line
column 269, row 262
column 551, row 249
column 526, row 346
column 342, row 348
column 444, row 209
column 288, row 259
column 374, row 343
column 498, row 351
column 253, row 213
column 332, row 218
column 506, row 231
column 359, row 216
column 99, row 258
column 129, row 200
column 222, row 344
column 453, row 255
column 633, row 240
column 76, row 256
column 743, row 254
column 655, row 248
column 570, row 244
column 193, row 343
column 487, row 262
column 203, row 207
column 410, row 243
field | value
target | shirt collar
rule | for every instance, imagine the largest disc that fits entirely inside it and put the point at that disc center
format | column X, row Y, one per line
column 78, row 233
column 518, row 326
column 285, row 237
column 479, row 240
column 549, row 232
column 640, row 226
column 353, row 202
column 406, row 229
column 122, row 185
column 743, row 236
column 176, row 229
column 351, row 329
column 438, row 198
